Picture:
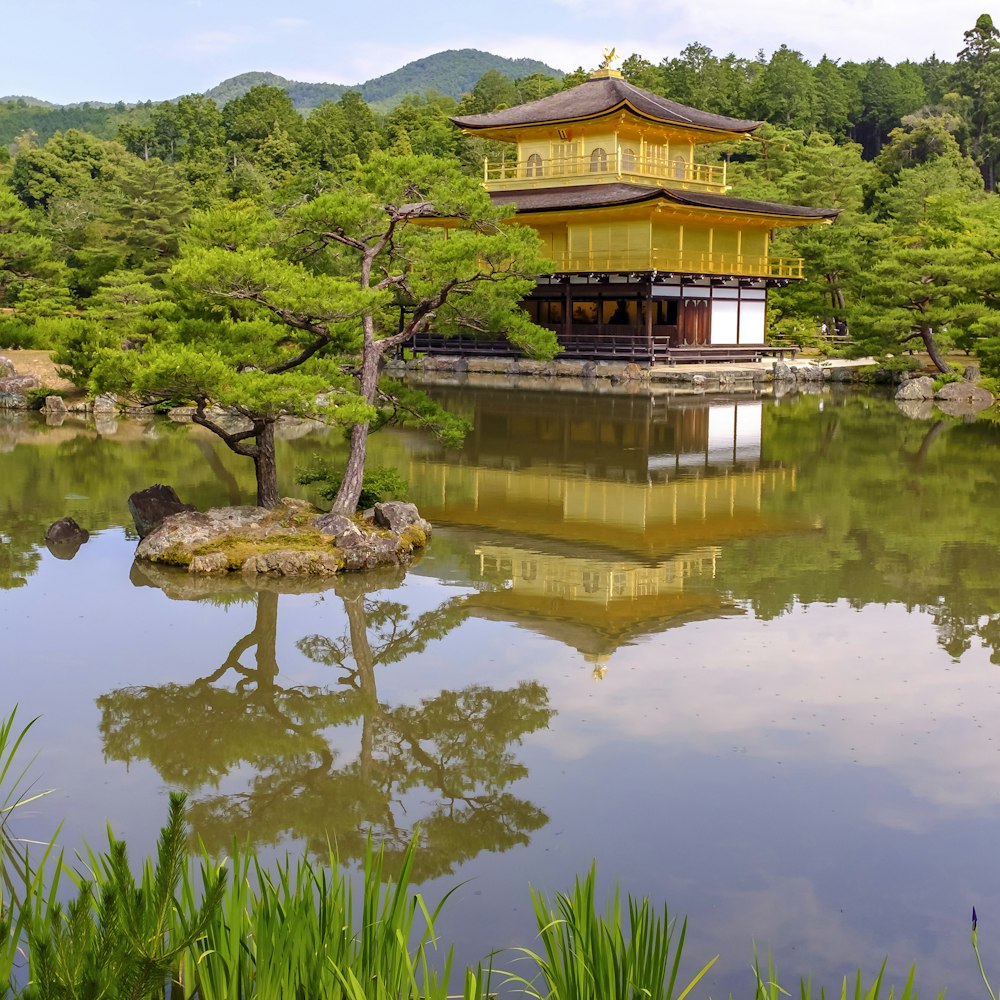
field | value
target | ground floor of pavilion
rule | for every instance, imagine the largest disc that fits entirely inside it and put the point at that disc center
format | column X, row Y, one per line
column 652, row 318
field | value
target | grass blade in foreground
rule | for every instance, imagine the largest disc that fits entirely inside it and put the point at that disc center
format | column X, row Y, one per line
column 586, row 956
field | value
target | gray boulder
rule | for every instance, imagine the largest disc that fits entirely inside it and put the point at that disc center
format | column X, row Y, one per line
column 18, row 383
column 397, row 516
column 370, row 551
column 6, row 366
column 64, row 538
column 66, row 530
column 916, row 388
column 150, row 506
column 339, row 527
column 966, row 392
column 14, row 390
column 782, row 372
column 963, row 399
column 106, row 403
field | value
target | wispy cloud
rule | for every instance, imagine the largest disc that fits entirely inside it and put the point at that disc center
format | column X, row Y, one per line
column 209, row 43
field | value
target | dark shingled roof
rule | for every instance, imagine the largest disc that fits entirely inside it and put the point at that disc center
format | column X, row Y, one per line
column 604, row 195
column 596, row 97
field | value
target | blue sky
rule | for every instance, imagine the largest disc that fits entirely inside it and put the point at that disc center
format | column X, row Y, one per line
column 133, row 50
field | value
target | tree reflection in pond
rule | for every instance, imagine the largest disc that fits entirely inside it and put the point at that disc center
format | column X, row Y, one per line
column 446, row 762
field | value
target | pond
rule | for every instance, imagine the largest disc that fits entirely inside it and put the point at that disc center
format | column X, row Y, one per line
column 743, row 652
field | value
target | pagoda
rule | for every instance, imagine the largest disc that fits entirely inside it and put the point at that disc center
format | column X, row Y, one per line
column 654, row 260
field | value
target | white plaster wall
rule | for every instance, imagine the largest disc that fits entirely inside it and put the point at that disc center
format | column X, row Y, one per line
column 725, row 315
column 751, row 322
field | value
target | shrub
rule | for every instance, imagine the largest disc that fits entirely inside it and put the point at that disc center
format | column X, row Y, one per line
column 379, row 483
column 16, row 334
column 76, row 346
column 890, row 368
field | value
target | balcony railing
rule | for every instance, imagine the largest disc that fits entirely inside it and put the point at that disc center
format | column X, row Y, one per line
column 616, row 164
column 679, row 262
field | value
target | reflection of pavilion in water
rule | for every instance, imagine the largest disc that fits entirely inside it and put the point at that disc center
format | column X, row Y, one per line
column 642, row 437
column 605, row 516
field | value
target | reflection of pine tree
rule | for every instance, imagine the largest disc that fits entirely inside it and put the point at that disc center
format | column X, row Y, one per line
column 18, row 559
column 905, row 509
column 451, row 752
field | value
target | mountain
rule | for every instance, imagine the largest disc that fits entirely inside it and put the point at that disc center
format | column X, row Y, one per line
column 453, row 72
column 31, row 102
column 303, row 95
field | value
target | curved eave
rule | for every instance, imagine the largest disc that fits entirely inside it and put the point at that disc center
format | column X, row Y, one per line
column 771, row 214
column 510, row 132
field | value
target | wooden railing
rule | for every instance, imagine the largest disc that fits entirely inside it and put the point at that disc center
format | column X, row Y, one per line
column 604, row 344
column 616, row 164
column 679, row 262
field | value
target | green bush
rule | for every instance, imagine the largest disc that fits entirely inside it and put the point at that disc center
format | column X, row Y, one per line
column 378, row 485
column 15, row 334
column 944, row 378
column 890, row 368
column 988, row 353
column 76, row 346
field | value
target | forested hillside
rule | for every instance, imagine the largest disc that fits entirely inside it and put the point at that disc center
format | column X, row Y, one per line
column 452, row 73
column 92, row 216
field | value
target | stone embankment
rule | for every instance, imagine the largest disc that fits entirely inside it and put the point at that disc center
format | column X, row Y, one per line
column 697, row 377
column 293, row 540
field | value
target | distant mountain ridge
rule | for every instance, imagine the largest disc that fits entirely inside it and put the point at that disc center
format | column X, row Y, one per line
column 453, row 72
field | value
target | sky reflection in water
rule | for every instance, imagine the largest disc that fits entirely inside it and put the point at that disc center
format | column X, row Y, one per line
column 740, row 653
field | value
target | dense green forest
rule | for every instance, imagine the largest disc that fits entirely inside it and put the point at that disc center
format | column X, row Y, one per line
column 94, row 204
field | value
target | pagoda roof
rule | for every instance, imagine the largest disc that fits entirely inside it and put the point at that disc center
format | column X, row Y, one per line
column 597, row 97
column 607, row 195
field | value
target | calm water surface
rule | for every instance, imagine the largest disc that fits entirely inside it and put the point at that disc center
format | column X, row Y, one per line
column 743, row 652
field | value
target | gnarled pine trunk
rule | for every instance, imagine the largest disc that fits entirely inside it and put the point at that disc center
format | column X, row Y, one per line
column 346, row 501
column 930, row 345
column 266, row 467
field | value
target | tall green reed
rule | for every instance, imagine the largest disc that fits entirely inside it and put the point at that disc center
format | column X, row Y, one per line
column 587, row 955
column 15, row 793
column 853, row 988
column 979, row 960
column 298, row 931
column 20, row 880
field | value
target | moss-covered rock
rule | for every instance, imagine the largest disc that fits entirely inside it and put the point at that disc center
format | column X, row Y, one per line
column 293, row 540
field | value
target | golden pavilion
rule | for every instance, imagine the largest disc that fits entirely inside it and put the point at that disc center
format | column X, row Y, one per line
column 654, row 260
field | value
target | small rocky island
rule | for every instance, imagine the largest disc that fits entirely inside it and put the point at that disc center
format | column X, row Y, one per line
column 293, row 539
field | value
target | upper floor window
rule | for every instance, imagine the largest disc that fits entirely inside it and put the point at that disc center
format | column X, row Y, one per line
column 534, row 165
column 628, row 160
column 679, row 168
column 598, row 161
